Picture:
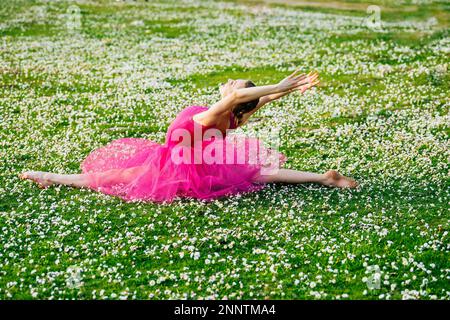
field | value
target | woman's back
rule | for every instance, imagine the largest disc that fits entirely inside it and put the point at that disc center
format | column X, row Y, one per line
column 184, row 125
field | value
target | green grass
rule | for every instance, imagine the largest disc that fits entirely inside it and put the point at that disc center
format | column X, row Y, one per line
column 380, row 115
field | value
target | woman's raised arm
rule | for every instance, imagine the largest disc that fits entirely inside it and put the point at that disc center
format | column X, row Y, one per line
column 311, row 80
column 289, row 83
column 242, row 95
column 308, row 82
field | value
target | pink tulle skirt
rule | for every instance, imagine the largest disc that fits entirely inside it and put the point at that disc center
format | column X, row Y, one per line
column 137, row 169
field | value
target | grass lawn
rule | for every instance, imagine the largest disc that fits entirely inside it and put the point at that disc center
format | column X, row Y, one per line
column 75, row 75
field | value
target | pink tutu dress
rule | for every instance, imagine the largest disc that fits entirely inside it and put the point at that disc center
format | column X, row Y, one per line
column 195, row 161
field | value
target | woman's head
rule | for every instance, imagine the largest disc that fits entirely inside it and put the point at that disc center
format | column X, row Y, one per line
column 242, row 108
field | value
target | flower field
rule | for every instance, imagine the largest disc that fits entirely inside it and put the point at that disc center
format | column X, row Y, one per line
column 75, row 75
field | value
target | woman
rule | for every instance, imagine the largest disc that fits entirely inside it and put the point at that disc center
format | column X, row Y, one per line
column 196, row 161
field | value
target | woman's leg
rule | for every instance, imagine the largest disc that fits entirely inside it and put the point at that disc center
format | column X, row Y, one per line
column 330, row 178
column 46, row 179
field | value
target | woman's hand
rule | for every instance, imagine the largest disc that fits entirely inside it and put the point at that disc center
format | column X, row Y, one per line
column 302, row 84
column 312, row 81
column 306, row 82
column 292, row 82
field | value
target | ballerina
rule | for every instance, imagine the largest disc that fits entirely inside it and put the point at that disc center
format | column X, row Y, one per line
column 137, row 169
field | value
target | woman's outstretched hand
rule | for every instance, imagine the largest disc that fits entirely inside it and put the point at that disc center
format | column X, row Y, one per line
column 292, row 81
column 312, row 81
column 299, row 82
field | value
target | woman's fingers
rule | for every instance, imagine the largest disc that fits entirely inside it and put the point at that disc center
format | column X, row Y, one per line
column 313, row 75
column 300, row 77
column 308, row 79
column 313, row 84
column 294, row 73
column 306, row 86
column 313, row 78
column 303, row 81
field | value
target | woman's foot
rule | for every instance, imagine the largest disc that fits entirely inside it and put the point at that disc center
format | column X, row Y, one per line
column 335, row 179
column 40, row 177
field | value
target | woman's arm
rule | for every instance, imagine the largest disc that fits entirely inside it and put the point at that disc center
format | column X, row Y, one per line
column 310, row 81
column 284, row 86
column 248, row 94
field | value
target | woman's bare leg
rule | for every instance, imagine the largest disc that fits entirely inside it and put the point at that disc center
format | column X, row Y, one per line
column 46, row 179
column 330, row 178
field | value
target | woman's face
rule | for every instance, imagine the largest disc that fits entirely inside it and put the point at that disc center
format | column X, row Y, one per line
column 226, row 87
